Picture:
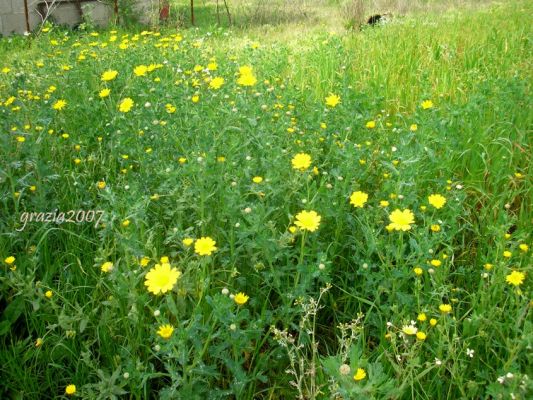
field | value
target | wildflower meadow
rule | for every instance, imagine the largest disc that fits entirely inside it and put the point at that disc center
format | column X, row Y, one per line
column 274, row 212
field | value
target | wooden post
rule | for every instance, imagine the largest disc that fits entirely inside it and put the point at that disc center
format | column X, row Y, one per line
column 115, row 10
column 27, row 15
column 192, row 12
column 80, row 10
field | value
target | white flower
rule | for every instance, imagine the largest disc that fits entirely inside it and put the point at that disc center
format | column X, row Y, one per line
column 437, row 361
column 470, row 353
column 344, row 369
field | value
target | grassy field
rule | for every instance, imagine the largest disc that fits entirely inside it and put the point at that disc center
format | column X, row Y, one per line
column 270, row 211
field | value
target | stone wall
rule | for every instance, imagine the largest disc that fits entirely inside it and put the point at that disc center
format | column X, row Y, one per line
column 13, row 20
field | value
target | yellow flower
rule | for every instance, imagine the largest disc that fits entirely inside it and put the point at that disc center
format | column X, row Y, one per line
column 165, row 331
column 515, row 278
column 240, row 298
column 421, row 336
column 401, row 220
column 107, row 266
column 9, row 260
column 308, row 220
column 332, row 100
column 426, row 104
column 257, row 179
column 59, row 105
column 418, row 271
column 358, row 199
column 245, row 70
column 247, row 80
column 435, row 228
column 436, row 263
column 187, row 241
column 445, row 308
column 371, row 124
column 433, row 322
column 437, row 201
column 109, row 75
column 360, row 374
column 383, row 203
column 140, row 70
column 301, row 161
column 195, row 98
column 216, row 83
column 170, row 108
column 164, row 260
column 126, row 223
column 48, row 294
column 161, row 278
column 204, row 246
column 39, row 342
column 421, row 317
column 409, row 330
column 144, row 261
column 292, row 229
column 101, row 185
column 70, row 389
column 488, row 266
column 524, row 247
column 247, row 77
column 413, row 128
column 126, row 105
column 104, row 93
column 507, row 254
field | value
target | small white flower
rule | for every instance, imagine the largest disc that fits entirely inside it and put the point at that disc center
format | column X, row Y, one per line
column 237, row 225
column 225, row 291
column 247, row 210
column 501, row 380
column 157, row 313
column 233, row 327
column 470, row 353
column 126, row 375
column 248, row 158
column 344, row 369
column 437, row 361
column 509, row 375
column 321, row 266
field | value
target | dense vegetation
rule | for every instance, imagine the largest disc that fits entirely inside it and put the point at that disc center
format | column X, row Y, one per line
column 318, row 215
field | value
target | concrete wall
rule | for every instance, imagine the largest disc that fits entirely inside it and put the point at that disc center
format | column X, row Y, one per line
column 12, row 18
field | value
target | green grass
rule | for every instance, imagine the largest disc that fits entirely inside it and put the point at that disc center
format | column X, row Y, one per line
column 189, row 174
